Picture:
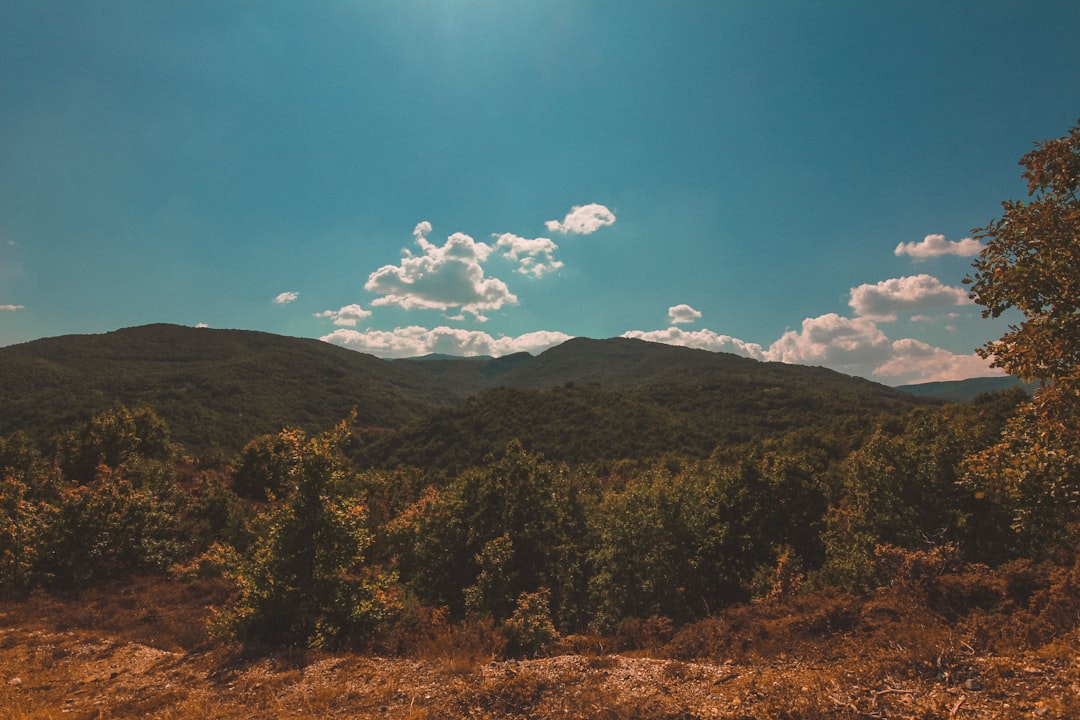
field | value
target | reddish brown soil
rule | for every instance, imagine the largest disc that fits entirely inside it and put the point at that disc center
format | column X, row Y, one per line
column 142, row 651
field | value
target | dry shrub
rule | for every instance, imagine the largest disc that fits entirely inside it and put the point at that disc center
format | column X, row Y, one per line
column 976, row 588
column 916, row 569
column 765, row 630
column 644, row 634
column 515, row 694
column 590, row 645
column 428, row 633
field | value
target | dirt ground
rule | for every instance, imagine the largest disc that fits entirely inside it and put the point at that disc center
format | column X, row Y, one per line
column 141, row 651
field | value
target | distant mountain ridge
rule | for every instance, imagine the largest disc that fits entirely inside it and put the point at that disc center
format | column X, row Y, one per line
column 219, row 388
column 967, row 390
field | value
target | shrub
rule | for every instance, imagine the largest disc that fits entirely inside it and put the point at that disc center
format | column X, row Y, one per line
column 304, row 582
column 529, row 630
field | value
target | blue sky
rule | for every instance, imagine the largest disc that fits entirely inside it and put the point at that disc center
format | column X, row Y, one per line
column 792, row 181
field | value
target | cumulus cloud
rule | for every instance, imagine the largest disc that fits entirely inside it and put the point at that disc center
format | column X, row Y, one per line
column 535, row 257
column 12, row 307
column 583, row 220
column 286, row 297
column 914, row 361
column 700, row 339
column 416, row 341
column 201, row 326
column 837, row 342
column 858, row 347
column 917, row 292
column 937, row 245
column 442, row 277
column 682, row 314
column 346, row 316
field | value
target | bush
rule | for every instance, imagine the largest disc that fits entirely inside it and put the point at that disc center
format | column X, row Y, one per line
column 304, row 582
column 529, row 630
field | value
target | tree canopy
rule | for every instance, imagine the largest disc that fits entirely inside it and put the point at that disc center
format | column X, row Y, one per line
column 1031, row 262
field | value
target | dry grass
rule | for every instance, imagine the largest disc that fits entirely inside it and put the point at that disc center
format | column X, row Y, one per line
column 973, row 645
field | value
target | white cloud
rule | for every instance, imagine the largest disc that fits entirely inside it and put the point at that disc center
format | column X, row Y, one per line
column 858, row 347
column 12, row 307
column 286, row 297
column 536, row 257
column 914, row 361
column 348, row 315
column 937, row 245
column 416, row 341
column 441, row 278
column 201, row 325
column 700, row 339
column 885, row 299
column 583, row 220
column 851, row 346
column 682, row 314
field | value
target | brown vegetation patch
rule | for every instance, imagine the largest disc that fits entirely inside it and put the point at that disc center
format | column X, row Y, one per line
column 820, row 655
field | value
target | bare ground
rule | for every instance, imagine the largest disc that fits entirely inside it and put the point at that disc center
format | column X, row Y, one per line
column 141, row 650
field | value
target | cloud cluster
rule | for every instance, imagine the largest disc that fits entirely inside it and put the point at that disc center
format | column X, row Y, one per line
column 348, row 316
column 415, row 341
column 582, row 220
column 11, row 307
column 682, row 314
column 700, row 339
column 286, row 297
column 937, row 245
column 535, row 257
column 453, row 276
column 442, row 277
column 858, row 345
column 837, row 342
column 882, row 301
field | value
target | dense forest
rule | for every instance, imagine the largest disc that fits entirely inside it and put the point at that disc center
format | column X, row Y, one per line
column 602, row 486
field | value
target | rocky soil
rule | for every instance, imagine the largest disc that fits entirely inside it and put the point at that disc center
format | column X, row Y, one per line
column 141, row 651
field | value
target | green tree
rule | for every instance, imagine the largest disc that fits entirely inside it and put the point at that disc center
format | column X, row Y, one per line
column 304, row 581
column 121, row 522
column 113, row 438
column 262, row 468
column 1031, row 262
column 676, row 544
column 512, row 526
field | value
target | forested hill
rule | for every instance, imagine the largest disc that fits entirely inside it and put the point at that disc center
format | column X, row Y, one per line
column 623, row 398
column 220, row 388
column 213, row 387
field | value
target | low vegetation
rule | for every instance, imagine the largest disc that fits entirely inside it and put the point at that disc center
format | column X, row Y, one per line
column 903, row 561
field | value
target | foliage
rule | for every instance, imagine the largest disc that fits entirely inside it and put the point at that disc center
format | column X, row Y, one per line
column 113, row 438
column 529, row 629
column 586, row 401
column 902, row 488
column 303, row 582
column 106, row 505
column 512, row 526
column 1033, row 472
column 216, row 389
column 1031, row 262
column 262, row 468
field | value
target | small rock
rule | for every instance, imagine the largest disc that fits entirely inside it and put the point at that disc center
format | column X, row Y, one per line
column 1041, row 712
column 973, row 684
column 16, row 682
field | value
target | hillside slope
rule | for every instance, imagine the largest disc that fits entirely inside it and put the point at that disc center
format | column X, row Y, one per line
column 583, row 400
column 589, row 400
column 215, row 388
